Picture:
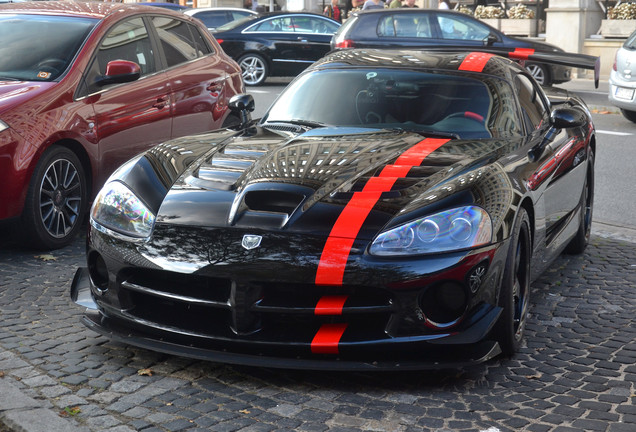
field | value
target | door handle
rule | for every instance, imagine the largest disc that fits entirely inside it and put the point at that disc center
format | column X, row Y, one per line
column 161, row 102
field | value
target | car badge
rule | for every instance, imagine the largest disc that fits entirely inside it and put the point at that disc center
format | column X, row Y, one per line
column 251, row 241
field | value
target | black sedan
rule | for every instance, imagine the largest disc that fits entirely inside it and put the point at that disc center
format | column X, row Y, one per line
column 390, row 210
column 276, row 43
column 406, row 27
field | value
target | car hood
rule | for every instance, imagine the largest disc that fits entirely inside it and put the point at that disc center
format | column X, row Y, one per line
column 271, row 180
column 14, row 93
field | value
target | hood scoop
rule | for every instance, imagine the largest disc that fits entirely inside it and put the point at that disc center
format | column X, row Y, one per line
column 267, row 205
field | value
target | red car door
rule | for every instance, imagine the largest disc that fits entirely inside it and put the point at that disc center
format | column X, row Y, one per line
column 196, row 77
column 130, row 117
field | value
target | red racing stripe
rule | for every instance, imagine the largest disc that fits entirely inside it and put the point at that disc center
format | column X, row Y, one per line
column 344, row 232
column 475, row 62
column 330, row 305
column 327, row 339
column 521, row 53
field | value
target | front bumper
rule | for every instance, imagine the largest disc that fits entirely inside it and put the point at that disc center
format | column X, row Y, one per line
column 452, row 349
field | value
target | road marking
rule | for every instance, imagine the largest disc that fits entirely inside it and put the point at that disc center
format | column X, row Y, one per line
column 614, row 133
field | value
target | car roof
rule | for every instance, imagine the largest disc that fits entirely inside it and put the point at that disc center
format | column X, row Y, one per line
column 98, row 10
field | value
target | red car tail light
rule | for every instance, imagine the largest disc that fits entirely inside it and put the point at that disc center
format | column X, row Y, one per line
column 347, row 43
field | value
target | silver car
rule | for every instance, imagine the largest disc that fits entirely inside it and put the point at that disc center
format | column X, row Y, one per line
column 622, row 81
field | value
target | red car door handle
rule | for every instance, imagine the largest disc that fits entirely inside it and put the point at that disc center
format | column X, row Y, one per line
column 162, row 102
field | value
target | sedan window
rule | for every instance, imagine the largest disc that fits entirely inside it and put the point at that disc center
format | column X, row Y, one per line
column 181, row 42
column 405, row 25
column 127, row 41
column 457, row 27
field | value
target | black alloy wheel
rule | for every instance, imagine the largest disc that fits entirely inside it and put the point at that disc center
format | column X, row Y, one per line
column 56, row 200
column 514, row 294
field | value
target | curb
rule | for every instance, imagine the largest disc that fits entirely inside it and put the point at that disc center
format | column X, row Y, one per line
column 22, row 413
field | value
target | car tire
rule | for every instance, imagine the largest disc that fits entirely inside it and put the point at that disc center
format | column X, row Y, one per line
column 540, row 73
column 580, row 241
column 253, row 69
column 514, row 294
column 56, row 200
column 629, row 115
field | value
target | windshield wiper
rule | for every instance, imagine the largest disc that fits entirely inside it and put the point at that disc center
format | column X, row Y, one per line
column 427, row 132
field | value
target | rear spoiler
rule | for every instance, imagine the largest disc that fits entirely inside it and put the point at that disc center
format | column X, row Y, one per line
column 582, row 61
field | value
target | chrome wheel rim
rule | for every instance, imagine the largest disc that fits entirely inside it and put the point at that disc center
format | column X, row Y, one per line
column 537, row 73
column 253, row 70
column 60, row 198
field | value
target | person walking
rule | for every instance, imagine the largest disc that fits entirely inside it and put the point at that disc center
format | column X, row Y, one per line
column 373, row 4
column 333, row 11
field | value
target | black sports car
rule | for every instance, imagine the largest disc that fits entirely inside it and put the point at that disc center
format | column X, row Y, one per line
column 424, row 28
column 276, row 43
column 389, row 211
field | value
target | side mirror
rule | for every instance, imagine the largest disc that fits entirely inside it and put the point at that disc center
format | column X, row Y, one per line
column 561, row 118
column 242, row 105
column 119, row 71
column 564, row 118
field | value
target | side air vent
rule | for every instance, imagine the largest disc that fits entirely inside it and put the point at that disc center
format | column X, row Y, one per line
column 273, row 201
column 284, row 127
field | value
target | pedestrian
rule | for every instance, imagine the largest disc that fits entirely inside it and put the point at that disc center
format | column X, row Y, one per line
column 395, row 4
column 333, row 11
column 409, row 4
column 373, row 4
column 444, row 4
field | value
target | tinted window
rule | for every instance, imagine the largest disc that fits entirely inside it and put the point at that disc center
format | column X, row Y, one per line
column 464, row 28
column 273, row 25
column 40, row 48
column 532, row 107
column 181, row 42
column 405, row 25
column 212, row 19
column 127, row 41
column 630, row 43
column 307, row 24
column 411, row 100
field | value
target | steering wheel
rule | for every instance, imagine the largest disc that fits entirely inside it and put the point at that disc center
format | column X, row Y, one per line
column 53, row 65
column 467, row 115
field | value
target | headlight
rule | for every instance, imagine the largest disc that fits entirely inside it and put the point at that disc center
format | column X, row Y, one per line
column 450, row 230
column 119, row 210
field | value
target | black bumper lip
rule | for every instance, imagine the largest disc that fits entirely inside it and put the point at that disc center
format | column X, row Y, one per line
column 446, row 353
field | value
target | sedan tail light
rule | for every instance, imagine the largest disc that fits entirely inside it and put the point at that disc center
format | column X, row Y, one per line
column 346, row 43
column 615, row 59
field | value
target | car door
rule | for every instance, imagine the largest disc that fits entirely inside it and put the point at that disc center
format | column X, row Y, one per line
column 195, row 75
column 276, row 38
column 131, row 117
column 558, row 169
column 313, row 36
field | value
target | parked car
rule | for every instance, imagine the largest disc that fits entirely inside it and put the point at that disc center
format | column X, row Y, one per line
column 390, row 210
column 276, row 43
column 622, row 80
column 217, row 16
column 167, row 5
column 100, row 83
column 406, row 27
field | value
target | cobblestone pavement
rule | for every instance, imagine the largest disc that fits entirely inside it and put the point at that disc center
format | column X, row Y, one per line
column 576, row 372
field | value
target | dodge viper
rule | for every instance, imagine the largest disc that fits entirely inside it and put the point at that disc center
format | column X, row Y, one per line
column 389, row 211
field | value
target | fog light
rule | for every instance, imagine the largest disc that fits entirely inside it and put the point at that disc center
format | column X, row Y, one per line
column 444, row 304
column 98, row 272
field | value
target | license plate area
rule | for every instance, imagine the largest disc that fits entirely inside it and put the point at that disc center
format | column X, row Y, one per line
column 624, row 93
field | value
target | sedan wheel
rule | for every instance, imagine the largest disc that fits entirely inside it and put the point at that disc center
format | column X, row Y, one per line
column 56, row 200
column 254, row 69
column 539, row 73
column 515, row 288
column 629, row 115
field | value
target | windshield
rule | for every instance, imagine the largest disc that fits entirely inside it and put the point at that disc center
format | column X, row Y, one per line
column 235, row 23
column 422, row 102
column 39, row 48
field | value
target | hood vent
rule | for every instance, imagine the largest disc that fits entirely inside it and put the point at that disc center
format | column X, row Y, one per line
column 273, row 201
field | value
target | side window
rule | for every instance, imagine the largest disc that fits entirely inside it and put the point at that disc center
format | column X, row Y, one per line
column 455, row 27
column 181, row 42
column 273, row 25
column 533, row 108
column 405, row 25
column 306, row 24
column 212, row 19
column 127, row 41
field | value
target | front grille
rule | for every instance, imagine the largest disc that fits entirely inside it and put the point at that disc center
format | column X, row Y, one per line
column 218, row 308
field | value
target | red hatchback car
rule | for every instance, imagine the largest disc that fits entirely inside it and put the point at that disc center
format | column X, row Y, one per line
column 86, row 86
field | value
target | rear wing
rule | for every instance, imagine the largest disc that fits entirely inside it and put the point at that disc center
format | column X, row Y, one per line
column 582, row 61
